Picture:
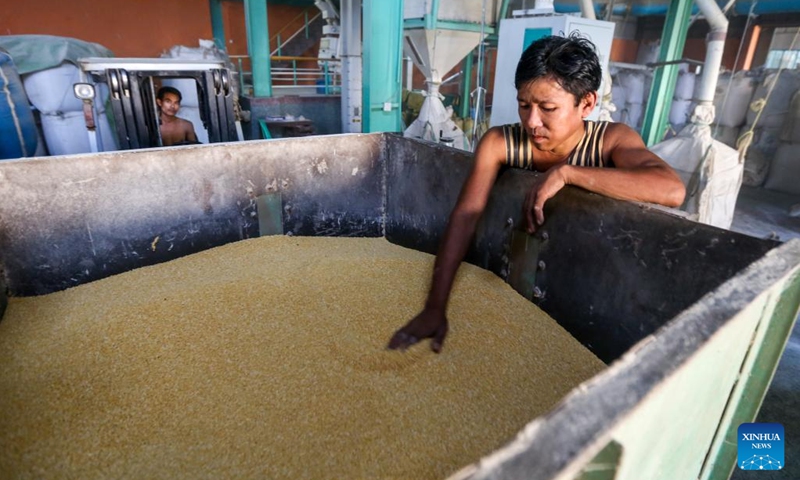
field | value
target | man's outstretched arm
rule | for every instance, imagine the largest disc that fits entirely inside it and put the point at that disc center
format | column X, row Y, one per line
column 432, row 321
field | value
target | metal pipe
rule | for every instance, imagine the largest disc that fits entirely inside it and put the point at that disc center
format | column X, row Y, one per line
column 675, row 62
column 716, row 44
column 587, row 9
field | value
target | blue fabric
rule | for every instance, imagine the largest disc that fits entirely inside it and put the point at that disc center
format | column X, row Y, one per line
column 17, row 126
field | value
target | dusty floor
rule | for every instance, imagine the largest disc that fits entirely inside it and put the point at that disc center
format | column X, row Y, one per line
column 761, row 213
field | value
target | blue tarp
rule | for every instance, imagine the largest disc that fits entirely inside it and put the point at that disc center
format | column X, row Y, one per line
column 32, row 53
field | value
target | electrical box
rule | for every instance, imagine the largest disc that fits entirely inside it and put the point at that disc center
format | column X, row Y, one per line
column 516, row 34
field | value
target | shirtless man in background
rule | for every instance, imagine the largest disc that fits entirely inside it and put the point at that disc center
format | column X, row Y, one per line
column 174, row 130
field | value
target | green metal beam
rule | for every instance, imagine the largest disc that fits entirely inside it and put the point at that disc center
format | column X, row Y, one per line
column 217, row 23
column 255, row 13
column 382, row 94
column 503, row 11
column 466, row 86
column 673, row 39
column 432, row 18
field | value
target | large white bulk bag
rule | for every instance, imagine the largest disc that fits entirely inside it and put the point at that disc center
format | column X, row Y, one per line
column 632, row 115
column 633, row 82
column 648, row 52
column 791, row 126
column 710, row 170
column 679, row 112
column 684, row 86
column 618, row 96
column 784, row 170
column 50, row 91
column 777, row 106
column 762, row 149
column 732, row 98
column 726, row 135
column 66, row 133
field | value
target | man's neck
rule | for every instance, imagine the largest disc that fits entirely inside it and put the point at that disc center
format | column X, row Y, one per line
column 168, row 118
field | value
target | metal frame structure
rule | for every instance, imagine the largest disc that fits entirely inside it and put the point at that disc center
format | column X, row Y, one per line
column 132, row 96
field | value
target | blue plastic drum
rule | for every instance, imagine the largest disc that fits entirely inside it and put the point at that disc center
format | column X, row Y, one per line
column 17, row 126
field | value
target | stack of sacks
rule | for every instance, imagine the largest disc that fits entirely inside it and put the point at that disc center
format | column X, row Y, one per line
column 770, row 154
column 63, row 124
column 629, row 92
column 784, row 171
column 682, row 104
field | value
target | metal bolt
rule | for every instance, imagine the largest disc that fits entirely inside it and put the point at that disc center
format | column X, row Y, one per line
column 510, row 221
column 541, row 265
column 537, row 292
column 545, row 236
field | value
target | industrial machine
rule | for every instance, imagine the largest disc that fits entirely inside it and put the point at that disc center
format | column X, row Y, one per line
column 527, row 26
column 436, row 36
column 690, row 356
column 131, row 86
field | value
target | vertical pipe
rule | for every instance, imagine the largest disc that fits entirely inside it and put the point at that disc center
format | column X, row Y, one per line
column 673, row 39
column 433, row 17
column 217, row 23
column 383, row 34
column 753, row 37
column 350, row 15
column 587, row 9
column 716, row 44
column 258, row 46
column 241, row 77
column 503, row 11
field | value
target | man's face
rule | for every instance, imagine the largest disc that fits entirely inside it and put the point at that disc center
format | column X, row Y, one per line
column 549, row 114
column 170, row 104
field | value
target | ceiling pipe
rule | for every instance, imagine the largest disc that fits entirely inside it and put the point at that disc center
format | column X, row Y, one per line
column 713, row 60
column 587, row 9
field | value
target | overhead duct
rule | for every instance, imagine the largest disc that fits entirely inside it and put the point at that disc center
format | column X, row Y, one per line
column 716, row 44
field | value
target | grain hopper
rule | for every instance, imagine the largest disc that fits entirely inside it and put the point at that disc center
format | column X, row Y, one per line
column 691, row 319
column 436, row 36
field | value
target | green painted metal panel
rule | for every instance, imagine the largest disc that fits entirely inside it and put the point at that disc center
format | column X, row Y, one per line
column 255, row 12
column 383, row 34
column 692, row 399
column 673, row 39
column 217, row 23
column 777, row 321
column 604, row 465
column 270, row 214
column 466, row 85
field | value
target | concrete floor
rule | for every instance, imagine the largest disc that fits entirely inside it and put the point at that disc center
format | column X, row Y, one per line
column 762, row 213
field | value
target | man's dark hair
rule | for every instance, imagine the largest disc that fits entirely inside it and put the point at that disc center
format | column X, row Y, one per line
column 571, row 61
column 165, row 90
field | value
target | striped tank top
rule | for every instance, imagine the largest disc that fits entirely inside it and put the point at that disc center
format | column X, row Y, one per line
column 588, row 152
